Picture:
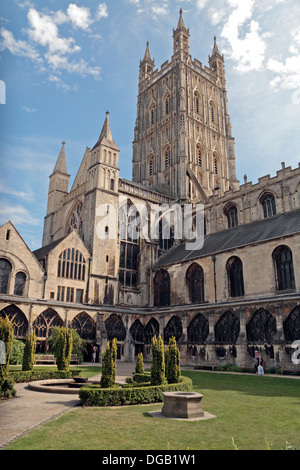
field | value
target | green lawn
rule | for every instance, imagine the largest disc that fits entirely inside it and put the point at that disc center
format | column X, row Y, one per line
column 252, row 410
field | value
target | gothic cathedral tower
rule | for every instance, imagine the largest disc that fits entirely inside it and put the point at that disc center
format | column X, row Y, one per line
column 182, row 141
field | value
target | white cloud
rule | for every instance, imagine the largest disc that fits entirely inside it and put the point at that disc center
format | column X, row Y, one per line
column 249, row 51
column 287, row 71
column 79, row 16
column 45, row 32
column 102, row 11
column 17, row 47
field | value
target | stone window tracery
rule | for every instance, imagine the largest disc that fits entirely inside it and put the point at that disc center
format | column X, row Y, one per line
column 284, row 269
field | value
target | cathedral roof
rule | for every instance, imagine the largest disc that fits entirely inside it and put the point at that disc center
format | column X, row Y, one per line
column 255, row 232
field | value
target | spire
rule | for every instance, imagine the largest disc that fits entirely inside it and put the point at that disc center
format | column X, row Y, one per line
column 61, row 164
column 147, row 56
column 106, row 135
column 215, row 49
column 181, row 24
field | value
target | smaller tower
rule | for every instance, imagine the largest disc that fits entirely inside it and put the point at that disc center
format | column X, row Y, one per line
column 181, row 38
column 146, row 65
column 58, row 189
column 216, row 62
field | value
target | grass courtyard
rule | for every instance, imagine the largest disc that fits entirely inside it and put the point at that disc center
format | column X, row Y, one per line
column 253, row 412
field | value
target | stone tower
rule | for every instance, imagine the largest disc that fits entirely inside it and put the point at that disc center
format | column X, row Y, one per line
column 100, row 218
column 182, row 141
column 58, row 189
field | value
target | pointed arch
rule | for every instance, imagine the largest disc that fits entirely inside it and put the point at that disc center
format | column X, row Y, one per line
column 262, row 327
column 45, row 321
column 162, row 291
column 195, row 283
column 227, row 329
column 18, row 320
column 151, row 330
column 198, row 329
column 173, row 328
column 235, row 277
column 5, row 275
column 137, row 332
column 85, row 326
column 284, row 268
column 291, row 326
column 115, row 328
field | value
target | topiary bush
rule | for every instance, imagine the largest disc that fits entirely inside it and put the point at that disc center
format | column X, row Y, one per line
column 158, row 361
column 64, row 349
column 139, row 367
column 29, row 352
column 172, row 359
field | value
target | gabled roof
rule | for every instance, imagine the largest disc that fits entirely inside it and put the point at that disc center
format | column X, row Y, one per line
column 249, row 234
column 41, row 253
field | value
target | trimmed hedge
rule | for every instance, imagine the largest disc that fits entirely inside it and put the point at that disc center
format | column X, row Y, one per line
column 32, row 375
column 96, row 396
column 140, row 378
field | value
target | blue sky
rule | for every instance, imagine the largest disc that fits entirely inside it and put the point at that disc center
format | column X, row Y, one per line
column 64, row 63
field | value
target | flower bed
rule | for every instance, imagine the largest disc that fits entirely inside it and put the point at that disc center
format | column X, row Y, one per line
column 94, row 395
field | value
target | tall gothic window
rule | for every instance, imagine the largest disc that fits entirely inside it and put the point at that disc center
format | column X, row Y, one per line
column 167, row 104
column 268, row 204
column 71, row 265
column 232, row 215
column 5, row 273
column 195, row 283
column 167, row 158
column 162, row 288
column 284, row 269
column 20, row 281
column 235, row 277
column 197, row 103
column 151, row 166
column 130, row 245
column 199, row 157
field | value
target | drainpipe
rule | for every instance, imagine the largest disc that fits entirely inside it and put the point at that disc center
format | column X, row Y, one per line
column 215, row 277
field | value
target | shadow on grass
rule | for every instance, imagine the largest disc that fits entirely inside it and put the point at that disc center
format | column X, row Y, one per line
column 251, row 385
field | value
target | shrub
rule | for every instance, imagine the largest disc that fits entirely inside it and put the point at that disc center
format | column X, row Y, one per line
column 29, row 351
column 158, row 361
column 172, row 356
column 139, row 367
column 7, row 387
column 17, row 352
column 145, row 377
column 64, row 349
column 78, row 345
column 6, row 335
column 109, row 365
column 19, row 376
column 96, row 396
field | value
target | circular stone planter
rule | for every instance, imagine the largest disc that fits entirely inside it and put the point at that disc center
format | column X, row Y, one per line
column 56, row 386
column 182, row 405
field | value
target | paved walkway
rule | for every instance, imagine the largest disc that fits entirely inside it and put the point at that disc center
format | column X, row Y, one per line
column 31, row 408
